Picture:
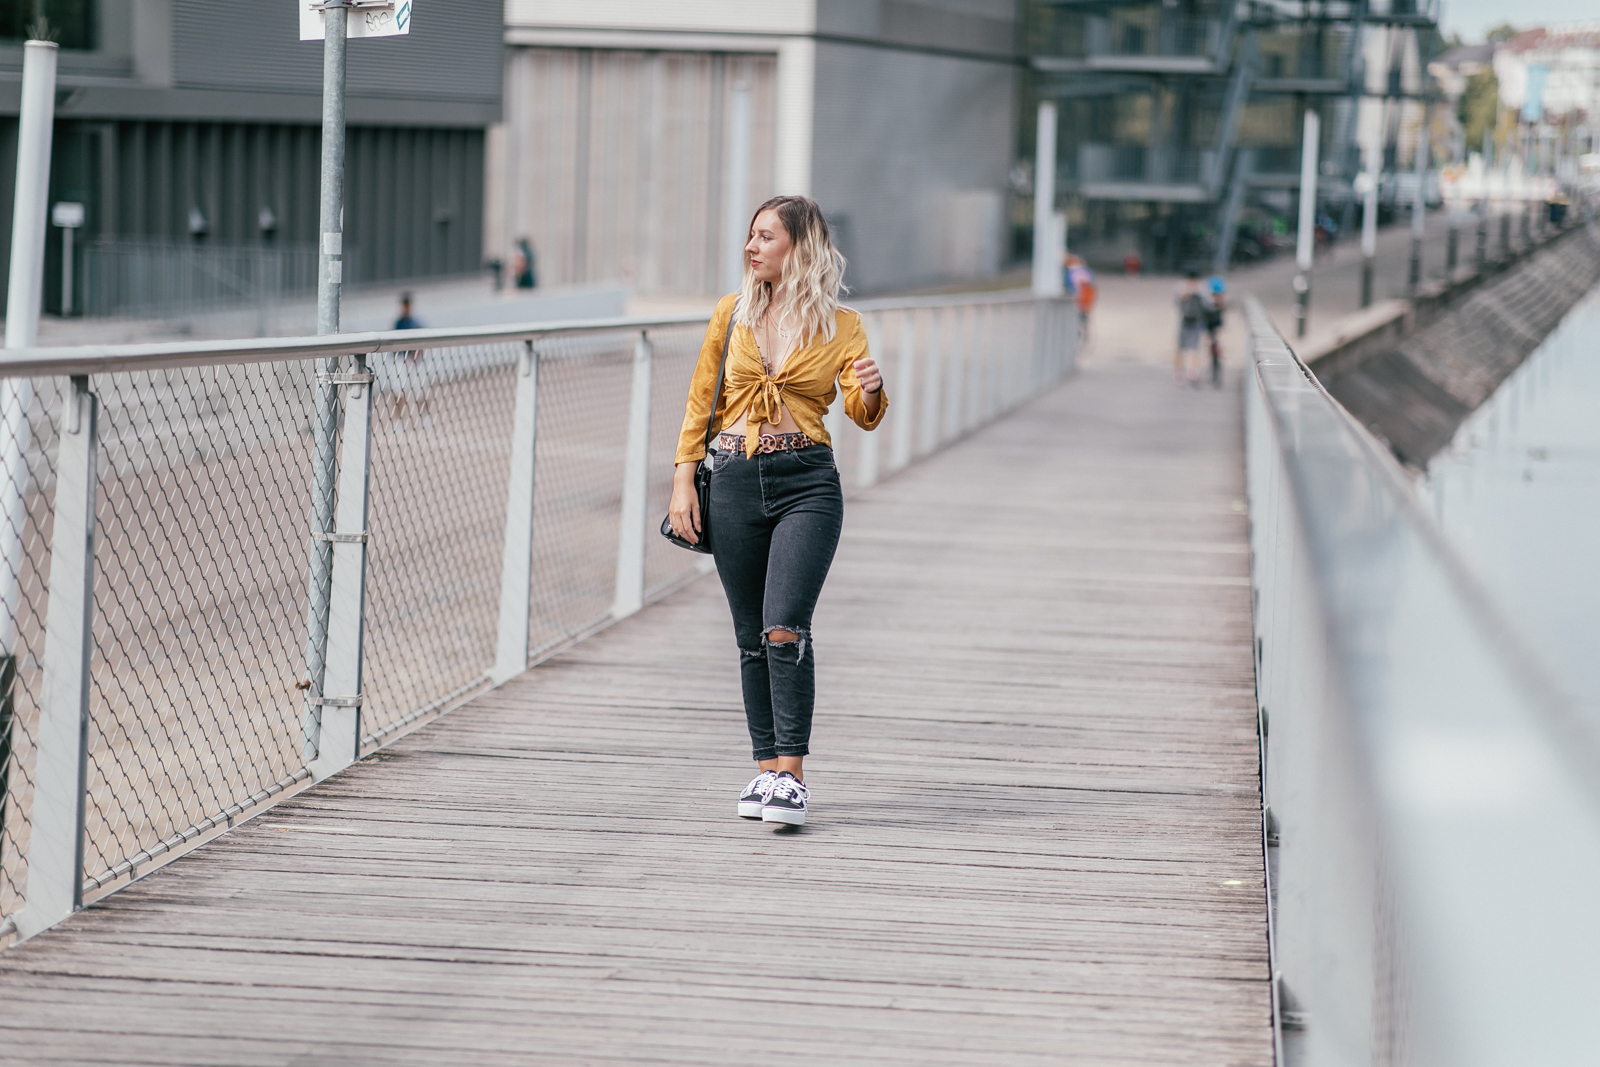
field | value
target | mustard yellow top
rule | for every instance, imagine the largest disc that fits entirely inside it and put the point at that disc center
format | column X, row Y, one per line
column 804, row 384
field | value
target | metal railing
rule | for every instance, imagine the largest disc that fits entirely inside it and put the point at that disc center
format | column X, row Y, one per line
column 498, row 490
column 1432, row 814
column 164, row 279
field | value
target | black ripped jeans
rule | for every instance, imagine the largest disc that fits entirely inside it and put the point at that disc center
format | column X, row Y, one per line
column 775, row 520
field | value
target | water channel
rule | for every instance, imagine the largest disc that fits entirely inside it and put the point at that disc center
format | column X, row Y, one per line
column 1518, row 492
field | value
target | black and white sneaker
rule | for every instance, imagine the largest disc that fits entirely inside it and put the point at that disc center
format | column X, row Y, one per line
column 756, row 793
column 787, row 802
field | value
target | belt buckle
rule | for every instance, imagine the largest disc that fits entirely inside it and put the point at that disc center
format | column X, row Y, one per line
column 769, row 443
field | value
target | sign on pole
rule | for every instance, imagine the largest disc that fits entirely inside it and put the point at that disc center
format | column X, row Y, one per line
column 367, row 18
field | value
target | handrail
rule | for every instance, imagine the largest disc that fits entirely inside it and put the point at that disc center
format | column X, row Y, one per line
column 1429, row 790
column 77, row 360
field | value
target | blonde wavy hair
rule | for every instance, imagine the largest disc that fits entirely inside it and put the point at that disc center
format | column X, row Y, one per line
column 813, row 274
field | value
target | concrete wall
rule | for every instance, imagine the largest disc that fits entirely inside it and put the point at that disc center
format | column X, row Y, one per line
column 613, row 163
column 243, row 61
column 911, row 148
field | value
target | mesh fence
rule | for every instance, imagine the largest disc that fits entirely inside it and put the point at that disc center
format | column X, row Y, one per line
column 441, row 448
column 199, row 603
column 203, row 532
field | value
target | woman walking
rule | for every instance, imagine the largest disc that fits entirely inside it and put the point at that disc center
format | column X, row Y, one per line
column 776, row 506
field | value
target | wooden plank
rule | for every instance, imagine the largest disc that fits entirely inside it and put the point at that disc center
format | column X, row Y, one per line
column 1036, row 833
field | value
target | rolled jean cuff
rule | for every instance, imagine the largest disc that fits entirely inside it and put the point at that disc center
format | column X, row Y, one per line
column 792, row 750
column 760, row 754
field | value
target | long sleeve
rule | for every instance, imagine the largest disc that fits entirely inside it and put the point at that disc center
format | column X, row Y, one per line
column 855, row 406
column 697, row 410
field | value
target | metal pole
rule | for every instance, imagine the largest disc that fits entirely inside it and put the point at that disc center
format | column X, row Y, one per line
column 66, row 271
column 1369, row 223
column 325, row 411
column 55, row 850
column 1480, row 252
column 339, row 740
column 737, row 221
column 1046, row 255
column 1419, row 205
column 1308, row 219
column 516, row 565
column 36, row 123
column 629, row 596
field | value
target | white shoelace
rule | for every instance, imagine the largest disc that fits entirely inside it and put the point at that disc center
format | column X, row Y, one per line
column 761, row 784
column 790, row 789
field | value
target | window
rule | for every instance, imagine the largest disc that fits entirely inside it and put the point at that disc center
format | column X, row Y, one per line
column 71, row 22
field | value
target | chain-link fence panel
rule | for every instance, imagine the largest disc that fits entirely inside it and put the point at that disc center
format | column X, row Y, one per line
column 199, row 604
column 27, row 483
column 441, row 449
column 584, row 387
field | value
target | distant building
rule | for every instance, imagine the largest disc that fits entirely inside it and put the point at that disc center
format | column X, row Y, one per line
column 187, row 126
column 1551, row 73
column 621, row 134
column 1181, row 120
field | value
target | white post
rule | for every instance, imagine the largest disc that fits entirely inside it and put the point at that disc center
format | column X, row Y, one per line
column 1046, row 256
column 635, row 488
column 736, row 222
column 339, row 739
column 36, row 124
column 928, row 420
column 867, row 473
column 516, row 567
column 904, row 423
column 1305, row 245
column 55, row 850
column 1369, row 220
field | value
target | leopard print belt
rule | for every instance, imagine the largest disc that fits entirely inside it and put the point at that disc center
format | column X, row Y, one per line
column 768, row 442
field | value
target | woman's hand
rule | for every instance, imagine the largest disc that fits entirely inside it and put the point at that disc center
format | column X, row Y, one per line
column 684, row 511
column 871, row 380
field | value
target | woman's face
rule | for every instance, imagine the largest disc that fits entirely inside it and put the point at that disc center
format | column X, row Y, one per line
column 768, row 247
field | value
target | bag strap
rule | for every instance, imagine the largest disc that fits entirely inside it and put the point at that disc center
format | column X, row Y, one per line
column 716, row 397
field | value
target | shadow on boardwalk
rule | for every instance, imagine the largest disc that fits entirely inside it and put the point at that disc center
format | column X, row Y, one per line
column 1035, row 836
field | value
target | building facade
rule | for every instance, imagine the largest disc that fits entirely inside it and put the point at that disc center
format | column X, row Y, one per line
column 1182, row 120
column 191, row 131
column 639, row 135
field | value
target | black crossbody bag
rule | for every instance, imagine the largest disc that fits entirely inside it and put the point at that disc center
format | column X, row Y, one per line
column 702, row 470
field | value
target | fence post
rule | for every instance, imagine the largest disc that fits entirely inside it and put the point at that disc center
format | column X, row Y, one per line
column 516, row 568
column 339, row 736
column 635, row 488
column 932, row 373
column 55, row 851
column 905, row 423
column 867, row 458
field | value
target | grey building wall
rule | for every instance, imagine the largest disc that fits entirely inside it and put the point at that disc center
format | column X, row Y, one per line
column 914, row 136
column 210, row 110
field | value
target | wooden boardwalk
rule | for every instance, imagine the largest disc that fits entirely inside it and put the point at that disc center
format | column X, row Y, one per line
column 1035, row 836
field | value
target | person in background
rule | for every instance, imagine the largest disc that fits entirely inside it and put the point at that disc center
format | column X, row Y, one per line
column 406, row 321
column 407, row 376
column 1216, row 301
column 1079, row 280
column 523, row 266
column 1191, row 324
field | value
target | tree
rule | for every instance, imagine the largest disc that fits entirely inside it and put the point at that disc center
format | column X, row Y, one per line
column 1501, row 34
column 1479, row 105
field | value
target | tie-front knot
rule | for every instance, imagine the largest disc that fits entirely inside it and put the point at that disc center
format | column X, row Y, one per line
column 765, row 407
